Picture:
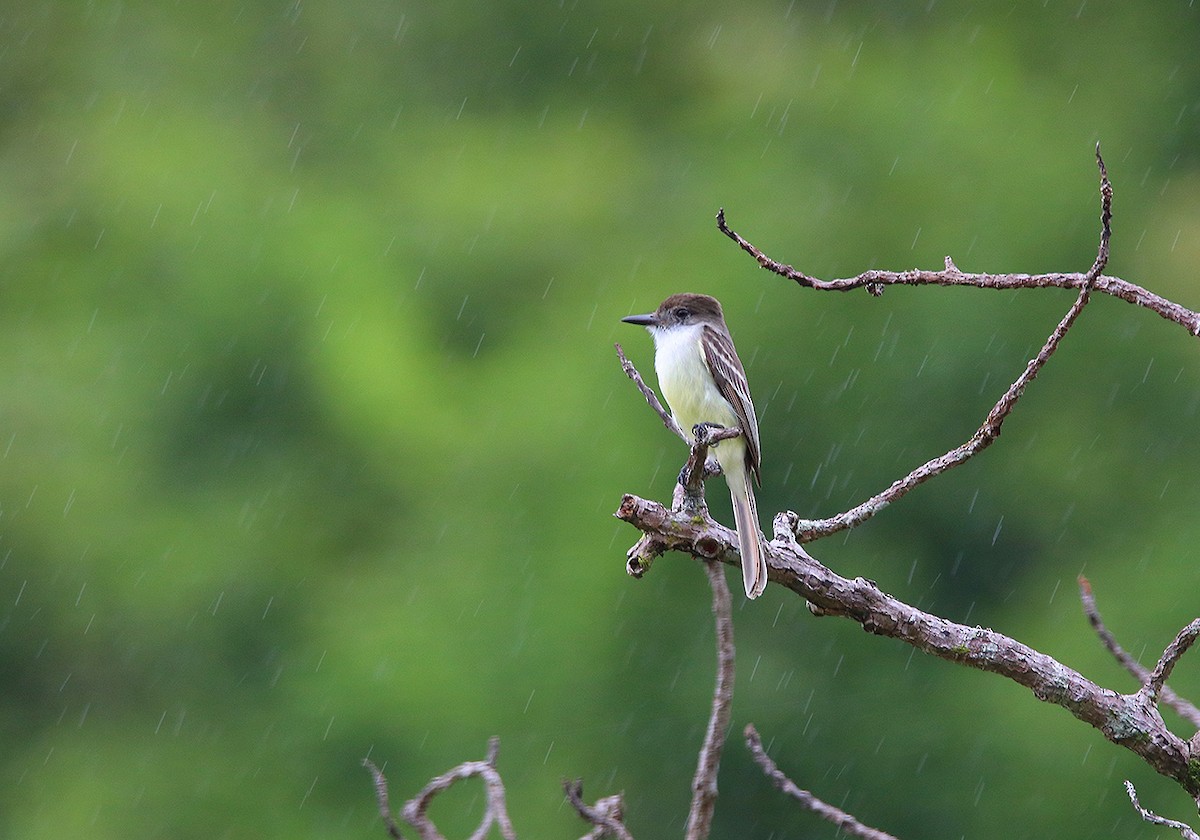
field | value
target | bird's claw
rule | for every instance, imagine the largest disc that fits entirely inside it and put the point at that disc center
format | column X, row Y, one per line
column 700, row 431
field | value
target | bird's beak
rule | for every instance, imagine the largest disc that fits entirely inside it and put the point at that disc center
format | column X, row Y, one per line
column 650, row 320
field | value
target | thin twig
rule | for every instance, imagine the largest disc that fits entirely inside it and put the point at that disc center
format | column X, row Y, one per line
column 704, row 783
column 495, row 811
column 689, row 488
column 986, row 434
column 1184, row 829
column 414, row 811
column 1088, row 598
column 845, row 822
column 606, row 815
column 651, row 397
column 1183, row 640
column 874, row 281
column 381, row 797
column 1183, row 707
column 1106, row 197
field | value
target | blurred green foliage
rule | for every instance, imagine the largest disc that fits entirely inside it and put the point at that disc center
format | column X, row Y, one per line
column 311, row 426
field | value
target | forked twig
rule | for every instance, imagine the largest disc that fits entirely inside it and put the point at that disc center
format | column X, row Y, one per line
column 688, row 495
column 809, row 530
column 1127, row 720
column 1183, row 640
column 1183, row 707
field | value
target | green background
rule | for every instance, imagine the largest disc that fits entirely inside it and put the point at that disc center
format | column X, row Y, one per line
column 311, row 426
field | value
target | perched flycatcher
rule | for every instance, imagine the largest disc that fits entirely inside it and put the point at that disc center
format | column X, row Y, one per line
column 704, row 382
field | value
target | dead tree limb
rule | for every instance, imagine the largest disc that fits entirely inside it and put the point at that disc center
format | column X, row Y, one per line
column 704, row 783
column 414, row 811
column 1183, row 707
column 606, row 816
column 846, row 823
column 1166, row 663
column 1128, row 720
column 875, row 281
column 985, row 435
column 688, row 496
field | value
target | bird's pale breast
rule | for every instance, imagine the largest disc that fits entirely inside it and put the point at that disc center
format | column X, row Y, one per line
column 689, row 388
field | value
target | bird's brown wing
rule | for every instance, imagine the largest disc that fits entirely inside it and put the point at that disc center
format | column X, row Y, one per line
column 730, row 377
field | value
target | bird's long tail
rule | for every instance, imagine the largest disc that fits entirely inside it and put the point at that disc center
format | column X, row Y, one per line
column 750, row 539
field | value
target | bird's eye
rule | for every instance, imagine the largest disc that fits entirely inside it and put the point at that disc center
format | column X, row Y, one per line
column 681, row 313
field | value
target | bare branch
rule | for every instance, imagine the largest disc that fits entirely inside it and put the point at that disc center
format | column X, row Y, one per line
column 1106, row 197
column 1107, row 639
column 704, row 783
column 845, row 822
column 1183, row 640
column 875, row 281
column 414, row 811
column 1182, row 706
column 1184, row 829
column 1125, row 719
column 985, row 435
column 1128, row 720
column 642, row 554
column 381, row 797
column 606, row 815
column 495, row 810
column 689, row 488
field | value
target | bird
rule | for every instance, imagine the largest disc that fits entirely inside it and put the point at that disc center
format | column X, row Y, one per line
column 703, row 381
